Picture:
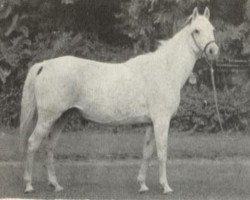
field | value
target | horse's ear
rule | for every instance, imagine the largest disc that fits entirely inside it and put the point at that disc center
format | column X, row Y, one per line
column 195, row 13
column 192, row 17
column 207, row 13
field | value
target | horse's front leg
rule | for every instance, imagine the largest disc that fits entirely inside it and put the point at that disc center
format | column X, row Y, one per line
column 161, row 128
column 148, row 149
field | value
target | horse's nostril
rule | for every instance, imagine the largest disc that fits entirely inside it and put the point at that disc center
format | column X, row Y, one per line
column 211, row 51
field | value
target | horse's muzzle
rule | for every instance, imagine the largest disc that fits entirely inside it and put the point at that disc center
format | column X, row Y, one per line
column 212, row 51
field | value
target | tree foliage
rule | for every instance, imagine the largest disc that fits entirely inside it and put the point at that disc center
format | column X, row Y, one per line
column 146, row 21
column 107, row 30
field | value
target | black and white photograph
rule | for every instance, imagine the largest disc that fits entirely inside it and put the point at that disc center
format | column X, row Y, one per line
column 125, row 99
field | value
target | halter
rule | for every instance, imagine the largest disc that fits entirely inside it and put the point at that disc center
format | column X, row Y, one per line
column 203, row 51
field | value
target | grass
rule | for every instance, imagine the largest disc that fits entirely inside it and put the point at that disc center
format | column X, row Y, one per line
column 191, row 180
column 127, row 144
column 201, row 166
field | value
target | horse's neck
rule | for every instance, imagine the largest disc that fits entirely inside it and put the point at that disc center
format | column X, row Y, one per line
column 179, row 58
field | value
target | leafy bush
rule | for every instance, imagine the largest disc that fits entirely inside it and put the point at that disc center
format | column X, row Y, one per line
column 197, row 110
column 10, row 108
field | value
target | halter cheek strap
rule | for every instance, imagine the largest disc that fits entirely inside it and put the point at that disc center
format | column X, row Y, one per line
column 203, row 51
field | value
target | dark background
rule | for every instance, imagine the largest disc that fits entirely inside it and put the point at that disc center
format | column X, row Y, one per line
column 116, row 30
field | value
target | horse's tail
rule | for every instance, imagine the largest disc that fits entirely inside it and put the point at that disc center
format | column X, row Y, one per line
column 28, row 107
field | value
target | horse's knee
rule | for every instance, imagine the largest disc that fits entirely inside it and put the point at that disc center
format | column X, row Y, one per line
column 36, row 138
column 162, row 156
column 33, row 145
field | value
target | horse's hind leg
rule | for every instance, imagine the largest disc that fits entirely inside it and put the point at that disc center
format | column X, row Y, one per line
column 44, row 123
column 51, row 144
column 148, row 149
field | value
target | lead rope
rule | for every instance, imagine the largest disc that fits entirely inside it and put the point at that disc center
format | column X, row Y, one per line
column 212, row 78
column 215, row 93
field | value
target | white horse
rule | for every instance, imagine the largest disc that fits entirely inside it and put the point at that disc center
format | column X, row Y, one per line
column 145, row 89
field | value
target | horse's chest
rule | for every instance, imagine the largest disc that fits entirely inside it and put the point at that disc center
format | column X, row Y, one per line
column 163, row 98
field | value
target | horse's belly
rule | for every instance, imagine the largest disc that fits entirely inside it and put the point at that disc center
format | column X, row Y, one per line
column 118, row 120
column 123, row 121
column 116, row 112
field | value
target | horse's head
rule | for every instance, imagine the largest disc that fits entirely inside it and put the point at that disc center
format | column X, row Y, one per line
column 202, row 35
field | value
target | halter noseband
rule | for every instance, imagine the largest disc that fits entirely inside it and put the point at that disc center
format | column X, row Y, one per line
column 203, row 51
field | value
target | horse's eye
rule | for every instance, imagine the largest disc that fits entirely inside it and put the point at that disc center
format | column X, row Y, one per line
column 196, row 31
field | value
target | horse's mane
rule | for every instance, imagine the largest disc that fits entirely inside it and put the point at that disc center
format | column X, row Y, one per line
column 186, row 23
column 162, row 42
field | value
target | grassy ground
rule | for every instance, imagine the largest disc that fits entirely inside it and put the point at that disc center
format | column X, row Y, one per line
column 104, row 144
column 194, row 180
column 200, row 166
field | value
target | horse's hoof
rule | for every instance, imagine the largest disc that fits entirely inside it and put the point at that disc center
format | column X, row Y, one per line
column 167, row 190
column 143, row 189
column 58, row 188
column 51, row 185
column 29, row 189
